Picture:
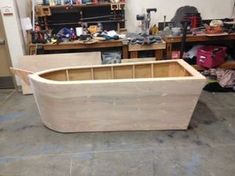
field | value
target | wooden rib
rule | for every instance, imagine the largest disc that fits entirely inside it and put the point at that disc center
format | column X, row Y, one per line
column 67, row 75
column 152, row 70
column 112, row 73
column 133, row 71
column 92, row 74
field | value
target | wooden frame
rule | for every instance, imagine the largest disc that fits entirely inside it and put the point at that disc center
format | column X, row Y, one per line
column 158, row 95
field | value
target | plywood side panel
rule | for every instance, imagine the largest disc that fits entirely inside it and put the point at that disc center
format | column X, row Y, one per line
column 143, row 71
column 123, row 72
column 57, row 75
column 36, row 63
column 161, row 70
column 177, row 70
column 80, row 74
column 118, row 106
column 102, row 73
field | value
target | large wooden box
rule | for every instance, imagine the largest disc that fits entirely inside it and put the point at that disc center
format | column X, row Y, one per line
column 156, row 95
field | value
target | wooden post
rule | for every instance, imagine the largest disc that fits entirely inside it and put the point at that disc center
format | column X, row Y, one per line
column 168, row 50
column 125, row 51
column 134, row 54
column 159, row 54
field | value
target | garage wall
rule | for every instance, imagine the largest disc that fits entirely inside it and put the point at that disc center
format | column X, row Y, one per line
column 24, row 10
column 13, row 32
column 208, row 8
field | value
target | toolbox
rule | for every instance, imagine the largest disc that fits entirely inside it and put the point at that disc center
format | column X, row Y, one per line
column 211, row 56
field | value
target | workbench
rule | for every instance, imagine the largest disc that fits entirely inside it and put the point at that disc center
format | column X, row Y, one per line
column 80, row 46
column 158, row 49
column 133, row 49
column 194, row 38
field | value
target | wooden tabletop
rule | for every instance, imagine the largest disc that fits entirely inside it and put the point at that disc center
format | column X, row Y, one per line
column 79, row 45
column 199, row 38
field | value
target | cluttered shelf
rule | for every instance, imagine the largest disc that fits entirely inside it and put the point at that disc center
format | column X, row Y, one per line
column 54, row 16
column 44, row 10
column 74, row 5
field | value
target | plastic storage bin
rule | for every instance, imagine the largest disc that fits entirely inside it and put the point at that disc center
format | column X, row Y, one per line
column 211, row 56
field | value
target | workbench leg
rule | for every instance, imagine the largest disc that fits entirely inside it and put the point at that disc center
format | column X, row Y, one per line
column 134, row 54
column 159, row 54
column 125, row 52
column 32, row 50
column 168, row 50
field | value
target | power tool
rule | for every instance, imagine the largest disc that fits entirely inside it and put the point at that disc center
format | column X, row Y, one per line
column 145, row 21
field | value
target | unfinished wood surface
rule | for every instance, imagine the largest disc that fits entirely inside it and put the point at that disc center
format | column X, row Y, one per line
column 123, row 103
column 38, row 63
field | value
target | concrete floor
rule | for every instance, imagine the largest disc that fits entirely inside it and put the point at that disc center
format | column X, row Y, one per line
column 27, row 148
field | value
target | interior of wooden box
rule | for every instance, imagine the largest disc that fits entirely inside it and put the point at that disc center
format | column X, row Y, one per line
column 147, row 70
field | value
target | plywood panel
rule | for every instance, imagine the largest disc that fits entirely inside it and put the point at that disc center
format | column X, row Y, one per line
column 56, row 76
column 161, row 70
column 43, row 62
column 119, row 106
column 177, row 70
column 123, row 72
column 102, row 73
column 143, row 71
column 80, row 74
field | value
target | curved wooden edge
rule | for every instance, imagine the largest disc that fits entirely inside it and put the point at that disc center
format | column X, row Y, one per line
column 108, row 65
column 194, row 74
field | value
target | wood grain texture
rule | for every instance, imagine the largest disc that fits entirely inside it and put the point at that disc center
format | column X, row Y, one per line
column 120, row 104
column 38, row 63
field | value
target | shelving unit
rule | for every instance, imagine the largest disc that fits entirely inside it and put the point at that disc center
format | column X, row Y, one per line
column 59, row 16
